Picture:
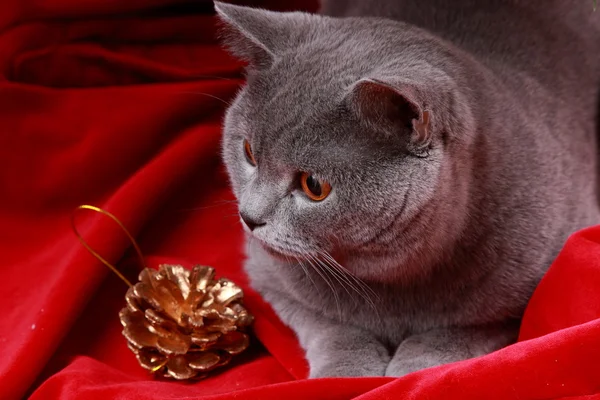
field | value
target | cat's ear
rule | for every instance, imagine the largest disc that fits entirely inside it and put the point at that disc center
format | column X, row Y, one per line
column 391, row 107
column 256, row 35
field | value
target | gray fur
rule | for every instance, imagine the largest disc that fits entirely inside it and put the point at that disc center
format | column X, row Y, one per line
column 443, row 240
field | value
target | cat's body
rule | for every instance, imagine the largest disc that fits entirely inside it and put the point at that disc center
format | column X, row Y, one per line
column 451, row 233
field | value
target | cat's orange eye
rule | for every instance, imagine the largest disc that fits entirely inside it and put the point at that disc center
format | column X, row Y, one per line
column 248, row 152
column 314, row 188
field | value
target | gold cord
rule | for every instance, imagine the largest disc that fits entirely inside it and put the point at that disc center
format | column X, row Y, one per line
column 94, row 253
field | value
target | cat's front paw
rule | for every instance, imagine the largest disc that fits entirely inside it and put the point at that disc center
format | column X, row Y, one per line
column 444, row 346
column 412, row 355
column 363, row 359
column 421, row 352
column 348, row 368
column 399, row 368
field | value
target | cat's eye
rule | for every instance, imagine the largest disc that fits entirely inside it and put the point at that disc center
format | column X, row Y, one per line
column 248, row 153
column 314, row 188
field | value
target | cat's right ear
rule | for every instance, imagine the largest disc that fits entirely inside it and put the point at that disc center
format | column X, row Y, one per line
column 256, row 35
column 392, row 107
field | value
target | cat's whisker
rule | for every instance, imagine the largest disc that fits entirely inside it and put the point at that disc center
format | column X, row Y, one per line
column 305, row 272
column 232, row 215
column 336, row 268
column 228, row 104
column 335, row 275
column 212, row 77
column 346, row 273
column 341, row 276
column 321, row 273
column 289, row 260
column 361, row 288
column 346, row 283
column 350, row 275
column 231, row 220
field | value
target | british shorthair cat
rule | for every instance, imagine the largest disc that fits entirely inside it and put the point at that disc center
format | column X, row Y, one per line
column 407, row 170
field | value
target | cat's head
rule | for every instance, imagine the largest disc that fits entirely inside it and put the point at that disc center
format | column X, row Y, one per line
column 336, row 143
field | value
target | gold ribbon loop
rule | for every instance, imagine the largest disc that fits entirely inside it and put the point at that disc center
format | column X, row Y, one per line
column 94, row 253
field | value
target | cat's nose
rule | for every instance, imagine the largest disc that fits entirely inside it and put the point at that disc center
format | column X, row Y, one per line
column 251, row 223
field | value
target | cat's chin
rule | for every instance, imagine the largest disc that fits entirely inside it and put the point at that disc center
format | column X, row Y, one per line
column 279, row 254
column 276, row 253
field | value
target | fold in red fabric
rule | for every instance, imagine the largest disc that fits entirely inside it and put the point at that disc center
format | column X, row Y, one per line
column 119, row 104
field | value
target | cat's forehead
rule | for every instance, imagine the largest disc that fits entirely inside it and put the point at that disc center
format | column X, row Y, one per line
column 278, row 101
column 293, row 80
column 307, row 85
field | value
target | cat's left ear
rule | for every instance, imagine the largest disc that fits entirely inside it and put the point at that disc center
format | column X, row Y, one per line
column 259, row 36
column 392, row 107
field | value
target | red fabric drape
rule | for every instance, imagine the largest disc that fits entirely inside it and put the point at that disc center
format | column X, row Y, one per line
column 119, row 104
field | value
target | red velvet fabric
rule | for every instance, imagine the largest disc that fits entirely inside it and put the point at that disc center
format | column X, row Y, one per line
column 119, row 104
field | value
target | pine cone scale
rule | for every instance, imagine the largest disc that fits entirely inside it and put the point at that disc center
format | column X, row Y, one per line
column 136, row 330
column 201, row 278
column 204, row 361
column 173, row 344
column 151, row 360
column 179, row 368
column 227, row 292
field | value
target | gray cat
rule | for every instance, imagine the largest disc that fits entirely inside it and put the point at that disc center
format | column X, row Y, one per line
column 407, row 170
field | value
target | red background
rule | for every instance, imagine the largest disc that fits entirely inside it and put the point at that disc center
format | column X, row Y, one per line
column 119, row 104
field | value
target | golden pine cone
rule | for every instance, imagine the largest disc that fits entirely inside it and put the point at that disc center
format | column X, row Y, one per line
column 183, row 324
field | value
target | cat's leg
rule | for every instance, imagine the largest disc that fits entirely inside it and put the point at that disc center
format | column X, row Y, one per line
column 332, row 348
column 443, row 346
